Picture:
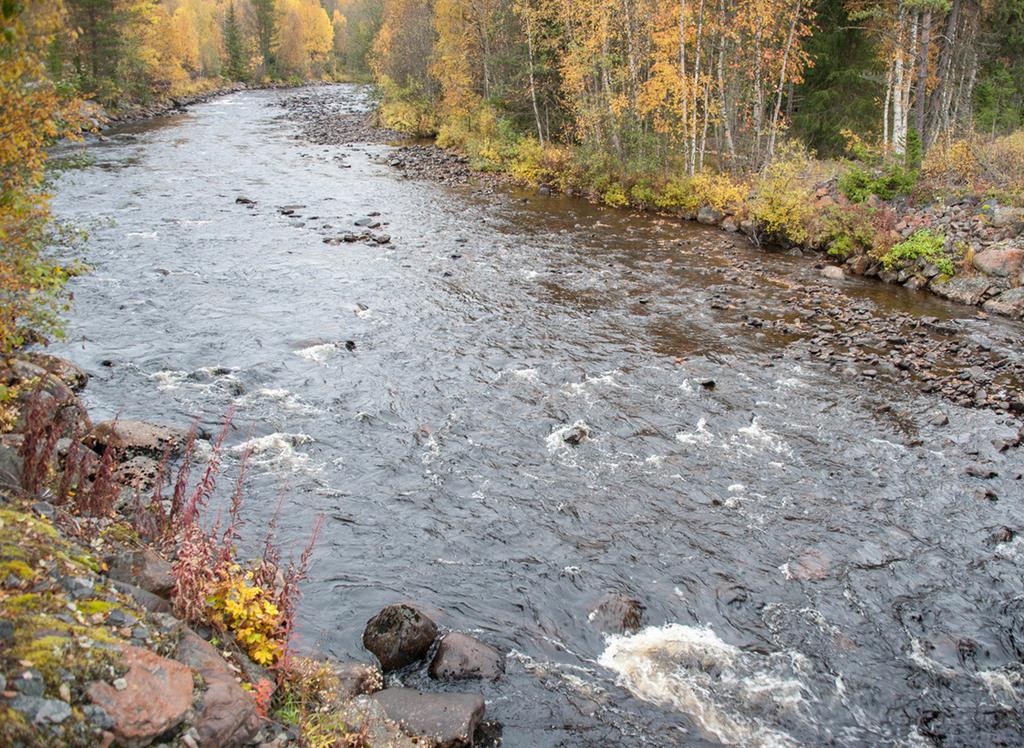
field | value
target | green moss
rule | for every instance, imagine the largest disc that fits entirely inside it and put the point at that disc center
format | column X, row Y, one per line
column 92, row 607
column 18, row 568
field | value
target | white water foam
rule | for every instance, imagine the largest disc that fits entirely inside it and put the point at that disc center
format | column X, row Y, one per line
column 556, row 439
column 1003, row 686
column 733, row 696
column 700, row 435
column 319, row 353
column 282, row 398
column 759, row 436
column 276, row 452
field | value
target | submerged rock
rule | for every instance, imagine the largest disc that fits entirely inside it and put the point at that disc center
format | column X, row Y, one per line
column 460, row 656
column 616, row 614
column 399, row 635
column 441, row 720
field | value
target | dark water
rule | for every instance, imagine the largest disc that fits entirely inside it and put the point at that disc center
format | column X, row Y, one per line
column 816, row 566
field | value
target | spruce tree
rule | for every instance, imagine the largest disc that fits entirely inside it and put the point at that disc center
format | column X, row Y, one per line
column 234, row 46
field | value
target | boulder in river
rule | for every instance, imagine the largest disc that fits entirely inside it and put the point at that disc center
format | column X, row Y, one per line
column 441, row 720
column 460, row 656
column 399, row 635
column 616, row 613
column 833, row 272
column 964, row 290
column 135, row 437
column 709, row 216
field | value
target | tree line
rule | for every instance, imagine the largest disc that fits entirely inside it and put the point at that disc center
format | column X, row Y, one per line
column 708, row 83
column 133, row 50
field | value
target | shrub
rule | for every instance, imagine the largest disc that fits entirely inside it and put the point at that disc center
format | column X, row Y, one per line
column 846, row 231
column 859, row 183
column 926, row 245
column 615, row 196
column 33, row 114
column 642, row 195
column 720, row 191
column 675, row 194
column 783, row 204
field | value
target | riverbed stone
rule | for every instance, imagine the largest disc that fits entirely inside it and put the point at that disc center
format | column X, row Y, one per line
column 156, row 696
column 357, row 678
column 143, row 568
column 833, row 272
column 228, row 715
column 964, row 290
column 1003, row 263
column 1009, row 303
column 72, row 375
column 460, row 656
column 709, row 216
column 616, row 613
column 399, row 635
column 137, row 437
column 440, row 720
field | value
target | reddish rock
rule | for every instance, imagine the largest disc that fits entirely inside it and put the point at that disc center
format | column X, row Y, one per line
column 227, row 717
column 135, row 437
column 399, row 635
column 460, row 656
column 1002, row 263
column 440, row 720
column 144, row 569
column 157, row 696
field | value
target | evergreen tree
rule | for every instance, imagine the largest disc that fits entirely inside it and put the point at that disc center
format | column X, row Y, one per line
column 841, row 90
column 266, row 30
column 234, row 46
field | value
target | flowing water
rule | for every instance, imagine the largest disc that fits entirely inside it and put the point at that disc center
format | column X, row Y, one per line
column 816, row 567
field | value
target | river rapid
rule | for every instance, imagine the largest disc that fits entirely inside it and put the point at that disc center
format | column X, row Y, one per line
column 817, row 566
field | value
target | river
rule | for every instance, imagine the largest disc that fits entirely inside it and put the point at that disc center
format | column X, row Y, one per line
column 817, row 567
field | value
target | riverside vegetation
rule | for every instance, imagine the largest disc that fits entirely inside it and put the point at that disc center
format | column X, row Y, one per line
column 886, row 134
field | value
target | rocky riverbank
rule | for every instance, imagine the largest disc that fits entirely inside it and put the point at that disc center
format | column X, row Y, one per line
column 93, row 651
column 986, row 238
column 820, row 320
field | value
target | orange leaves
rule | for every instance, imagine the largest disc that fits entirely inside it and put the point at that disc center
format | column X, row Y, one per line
column 32, row 115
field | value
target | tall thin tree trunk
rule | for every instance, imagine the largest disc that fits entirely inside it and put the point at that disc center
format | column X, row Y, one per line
column 782, row 80
column 533, row 86
column 921, row 93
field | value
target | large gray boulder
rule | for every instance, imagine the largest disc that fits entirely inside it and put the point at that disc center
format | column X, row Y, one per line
column 460, row 656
